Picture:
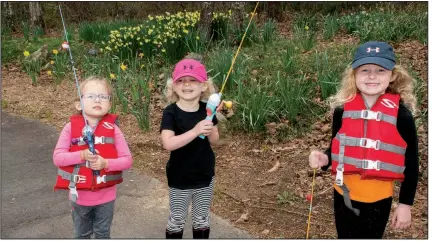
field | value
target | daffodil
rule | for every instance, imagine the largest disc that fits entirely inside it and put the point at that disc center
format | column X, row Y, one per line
column 123, row 67
column 142, row 66
column 52, row 62
column 26, row 53
column 49, row 72
column 141, row 55
column 55, row 51
column 112, row 76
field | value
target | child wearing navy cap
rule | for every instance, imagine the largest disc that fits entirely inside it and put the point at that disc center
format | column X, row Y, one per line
column 374, row 143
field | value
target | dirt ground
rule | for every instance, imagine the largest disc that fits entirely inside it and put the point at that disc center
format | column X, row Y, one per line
column 246, row 192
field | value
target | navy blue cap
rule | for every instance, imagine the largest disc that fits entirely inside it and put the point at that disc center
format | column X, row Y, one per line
column 374, row 52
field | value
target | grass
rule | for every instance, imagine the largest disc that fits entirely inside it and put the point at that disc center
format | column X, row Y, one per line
column 386, row 26
column 273, row 80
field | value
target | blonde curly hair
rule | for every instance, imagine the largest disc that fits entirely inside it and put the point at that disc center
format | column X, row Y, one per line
column 402, row 83
column 172, row 97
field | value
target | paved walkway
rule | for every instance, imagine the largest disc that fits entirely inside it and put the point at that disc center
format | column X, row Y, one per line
column 30, row 208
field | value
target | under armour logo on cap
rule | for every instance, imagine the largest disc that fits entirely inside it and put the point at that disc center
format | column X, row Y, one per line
column 375, row 50
column 190, row 67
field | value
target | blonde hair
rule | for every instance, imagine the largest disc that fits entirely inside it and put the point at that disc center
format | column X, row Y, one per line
column 402, row 83
column 173, row 97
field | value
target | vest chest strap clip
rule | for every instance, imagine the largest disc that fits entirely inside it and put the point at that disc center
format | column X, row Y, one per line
column 339, row 177
column 79, row 178
column 369, row 143
column 100, row 179
column 371, row 115
column 372, row 165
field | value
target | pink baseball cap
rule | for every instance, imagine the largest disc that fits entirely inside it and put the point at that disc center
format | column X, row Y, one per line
column 190, row 67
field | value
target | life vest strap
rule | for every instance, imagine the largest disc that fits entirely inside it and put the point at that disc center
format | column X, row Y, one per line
column 98, row 140
column 370, row 115
column 369, row 143
column 370, row 164
column 340, row 166
column 72, row 184
column 74, row 178
column 347, row 200
column 108, row 178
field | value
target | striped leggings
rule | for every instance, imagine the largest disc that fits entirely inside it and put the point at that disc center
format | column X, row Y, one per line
column 179, row 203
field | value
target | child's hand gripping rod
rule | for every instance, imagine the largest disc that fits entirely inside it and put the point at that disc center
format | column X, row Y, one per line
column 212, row 104
column 88, row 134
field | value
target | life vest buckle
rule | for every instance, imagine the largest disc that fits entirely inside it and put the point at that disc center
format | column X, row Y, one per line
column 371, row 115
column 100, row 179
column 339, row 177
column 79, row 179
column 369, row 143
column 99, row 139
column 372, row 165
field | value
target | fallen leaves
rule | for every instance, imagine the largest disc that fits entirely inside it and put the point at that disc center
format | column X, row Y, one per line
column 275, row 167
column 243, row 218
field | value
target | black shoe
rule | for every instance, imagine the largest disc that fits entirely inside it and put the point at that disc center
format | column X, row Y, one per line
column 173, row 235
column 200, row 233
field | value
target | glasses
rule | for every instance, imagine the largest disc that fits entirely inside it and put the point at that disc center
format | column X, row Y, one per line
column 91, row 96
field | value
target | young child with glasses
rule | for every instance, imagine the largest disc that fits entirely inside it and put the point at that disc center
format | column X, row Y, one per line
column 92, row 195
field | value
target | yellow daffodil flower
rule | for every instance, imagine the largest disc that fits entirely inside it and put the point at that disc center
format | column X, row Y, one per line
column 123, row 67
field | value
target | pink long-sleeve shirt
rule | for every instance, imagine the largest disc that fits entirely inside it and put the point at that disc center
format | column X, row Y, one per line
column 62, row 157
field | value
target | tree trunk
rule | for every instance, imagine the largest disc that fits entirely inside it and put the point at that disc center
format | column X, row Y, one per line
column 36, row 15
column 238, row 14
column 9, row 14
column 205, row 24
column 275, row 10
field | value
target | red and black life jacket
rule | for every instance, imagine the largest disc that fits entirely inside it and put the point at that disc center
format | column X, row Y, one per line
column 368, row 142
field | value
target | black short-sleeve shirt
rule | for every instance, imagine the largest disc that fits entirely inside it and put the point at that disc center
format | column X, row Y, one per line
column 193, row 165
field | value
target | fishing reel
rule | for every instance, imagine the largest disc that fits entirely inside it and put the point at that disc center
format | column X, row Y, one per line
column 89, row 138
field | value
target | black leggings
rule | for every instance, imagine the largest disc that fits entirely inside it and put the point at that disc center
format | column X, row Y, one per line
column 371, row 222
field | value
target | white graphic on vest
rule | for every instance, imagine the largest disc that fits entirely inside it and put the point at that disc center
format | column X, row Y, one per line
column 375, row 50
column 108, row 125
column 388, row 103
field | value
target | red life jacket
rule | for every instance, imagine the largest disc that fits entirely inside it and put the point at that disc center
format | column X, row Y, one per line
column 82, row 176
column 368, row 142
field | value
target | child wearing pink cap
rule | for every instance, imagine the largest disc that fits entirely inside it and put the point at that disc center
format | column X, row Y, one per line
column 191, row 167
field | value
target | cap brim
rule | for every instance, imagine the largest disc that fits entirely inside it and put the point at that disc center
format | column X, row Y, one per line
column 385, row 63
column 196, row 76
